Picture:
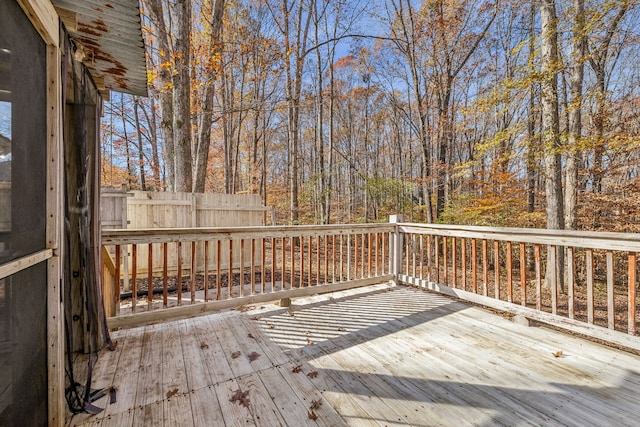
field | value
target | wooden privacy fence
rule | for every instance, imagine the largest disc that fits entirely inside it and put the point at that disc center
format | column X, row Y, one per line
column 151, row 210
column 506, row 268
column 273, row 263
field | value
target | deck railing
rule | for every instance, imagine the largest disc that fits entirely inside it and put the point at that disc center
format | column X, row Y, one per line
column 591, row 287
column 227, row 267
column 582, row 281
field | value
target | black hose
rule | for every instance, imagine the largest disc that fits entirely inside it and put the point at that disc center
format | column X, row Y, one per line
column 155, row 291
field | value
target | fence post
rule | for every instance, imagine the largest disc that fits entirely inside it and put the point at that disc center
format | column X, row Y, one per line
column 395, row 248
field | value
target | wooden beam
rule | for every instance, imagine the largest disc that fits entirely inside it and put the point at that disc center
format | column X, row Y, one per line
column 54, row 237
column 161, row 235
column 579, row 239
column 44, row 18
column 15, row 266
column 132, row 320
column 68, row 18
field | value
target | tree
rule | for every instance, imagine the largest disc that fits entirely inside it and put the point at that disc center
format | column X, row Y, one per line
column 578, row 54
column 214, row 9
column 551, row 131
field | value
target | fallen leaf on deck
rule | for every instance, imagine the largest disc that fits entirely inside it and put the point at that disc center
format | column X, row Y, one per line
column 172, row 393
column 235, row 354
column 297, row 369
column 270, row 325
column 246, row 308
column 341, row 329
column 309, row 342
column 255, row 318
column 315, row 404
column 253, row 356
column 312, row 374
column 307, row 332
column 250, row 335
column 312, row 415
column 204, row 345
column 290, row 313
column 557, row 354
column 242, row 397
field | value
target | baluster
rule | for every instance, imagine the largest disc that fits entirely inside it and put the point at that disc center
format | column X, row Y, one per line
column 302, row 252
column 445, row 259
column 463, row 247
column 326, row 259
column 523, row 274
column 454, row 261
column 496, row 269
column 552, row 259
column 134, row 278
column 571, row 280
column 509, row 272
column 218, row 272
column 263, row 267
column 117, row 278
column 179, row 278
column 610, row 292
column 292, row 252
column 474, row 262
column 253, row 266
column 205, row 279
column 538, row 277
column 193, row 272
column 485, row 267
column 429, row 265
column 631, row 329
column 150, row 277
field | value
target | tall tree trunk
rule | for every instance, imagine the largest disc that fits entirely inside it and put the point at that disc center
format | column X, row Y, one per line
column 599, row 55
column 551, row 129
column 162, row 88
column 578, row 53
column 143, row 183
column 155, row 156
column 130, row 172
column 182, row 96
column 206, row 119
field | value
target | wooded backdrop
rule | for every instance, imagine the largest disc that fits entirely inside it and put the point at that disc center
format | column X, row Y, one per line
column 505, row 113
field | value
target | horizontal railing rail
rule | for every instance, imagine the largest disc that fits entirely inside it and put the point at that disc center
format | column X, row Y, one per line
column 227, row 267
column 583, row 281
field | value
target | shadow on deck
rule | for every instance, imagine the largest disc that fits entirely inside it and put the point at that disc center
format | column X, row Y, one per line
column 371, row 356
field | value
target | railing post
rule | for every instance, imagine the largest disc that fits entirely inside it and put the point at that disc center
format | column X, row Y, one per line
column 395, row 248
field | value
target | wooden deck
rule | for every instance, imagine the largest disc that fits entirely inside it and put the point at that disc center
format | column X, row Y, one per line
column 374, row 356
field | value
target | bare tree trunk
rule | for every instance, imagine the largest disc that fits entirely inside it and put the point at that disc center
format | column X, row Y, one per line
column 551, row 130
column 143, row 183
column 599, row 55
column 206, row 119
column 130, row 172
column 578, row 53
column 163, row 87
column 182, row 96
column 155, row 156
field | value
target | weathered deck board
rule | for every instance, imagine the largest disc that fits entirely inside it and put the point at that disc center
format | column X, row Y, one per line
column 383, row 357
